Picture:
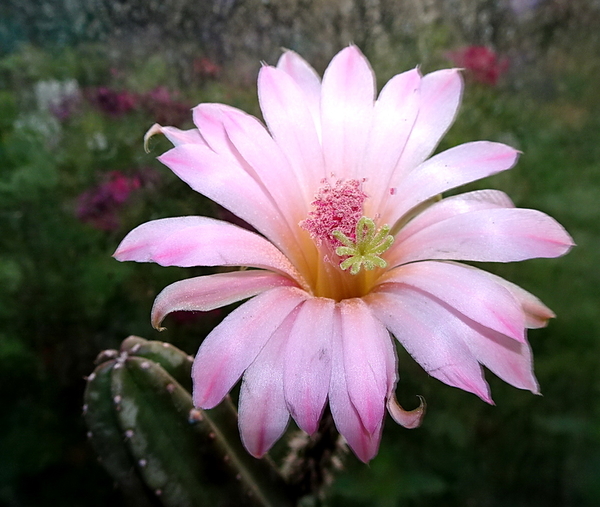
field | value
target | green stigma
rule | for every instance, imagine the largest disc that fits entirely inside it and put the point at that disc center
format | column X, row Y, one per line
column 365, row 251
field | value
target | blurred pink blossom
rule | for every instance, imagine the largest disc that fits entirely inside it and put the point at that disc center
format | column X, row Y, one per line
column 480, row 62
column 112, row 102
column 353, row 246
column 99, row 206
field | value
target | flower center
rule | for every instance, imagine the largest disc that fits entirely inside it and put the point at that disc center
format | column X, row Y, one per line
column 348, row 242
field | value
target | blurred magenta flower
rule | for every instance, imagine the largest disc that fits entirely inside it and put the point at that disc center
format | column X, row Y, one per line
column 112, row 102
column 164, row 106
column 99, row 206
column 481, row 62
column 354, row 245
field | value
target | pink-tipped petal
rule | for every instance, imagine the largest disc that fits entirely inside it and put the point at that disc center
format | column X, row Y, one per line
column 441, row 93
column 509, row 360
column 200, row 241
column 263, row 415
column 470, row 291
column 367, row 349
column 537, row 314
column 204, row 293
column 449, row 169
column 425, row 329
column 308, row 362
column 307, row 80
column 491, row 235
column 292, row 126
column 234, row 344
column 347, row 99
column 394, row 115
column 409, row 419
column 347, row 420
column 223, row 180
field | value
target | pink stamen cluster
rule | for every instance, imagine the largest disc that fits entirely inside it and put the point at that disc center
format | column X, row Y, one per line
column 337, row 208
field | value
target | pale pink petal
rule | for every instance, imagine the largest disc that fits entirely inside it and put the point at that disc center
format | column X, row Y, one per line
column 470, row 291
column 347, row 99
column 449, row 169
column 308, row 362
column 537, row 313
column 366, row 361
column 428, row 332
column 223, row 180
column 441, row 92
column 207, row 117
column 204, row 293
column 263, row 415
column 509, row 360
column 292, row 125
column 234, row 344
column 394, row 115
column 175, row 135
column 201, row 241
column 492, row 235
column 307, row 80
column 347, row 420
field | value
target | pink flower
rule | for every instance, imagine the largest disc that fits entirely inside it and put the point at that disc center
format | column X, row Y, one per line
column 353, row 245
column 99, row 205
column 480, row 62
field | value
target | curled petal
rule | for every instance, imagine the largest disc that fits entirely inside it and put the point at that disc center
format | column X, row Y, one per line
column 263, row 415
column 234, row 344
column 206, row 293
column 410, row 419
column 174, row 135
column 308, row 362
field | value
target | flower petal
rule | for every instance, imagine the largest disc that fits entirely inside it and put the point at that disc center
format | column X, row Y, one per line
column 489, row 235
column 204, row 293
column 175, row 135
column 201, row 241
column 449, row 169
column 307, row 80
column 441, row 93
column 223, row 180
column 263, row 414
column 431, row 336
column 292, row 125
column 509, row 360
column 394, row 115
column 468, row 290
column 368, row 352
column 348, row 422
column 537, row 313
column 234, row 344
column 347, row 99
column 308, row 362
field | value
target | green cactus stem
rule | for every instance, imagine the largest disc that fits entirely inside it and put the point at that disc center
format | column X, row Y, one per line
column 151, row 439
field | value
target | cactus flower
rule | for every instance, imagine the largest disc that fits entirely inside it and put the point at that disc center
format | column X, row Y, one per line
column 353, row 246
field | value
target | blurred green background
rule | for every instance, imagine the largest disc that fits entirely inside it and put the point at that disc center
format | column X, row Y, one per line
column 81, row 82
